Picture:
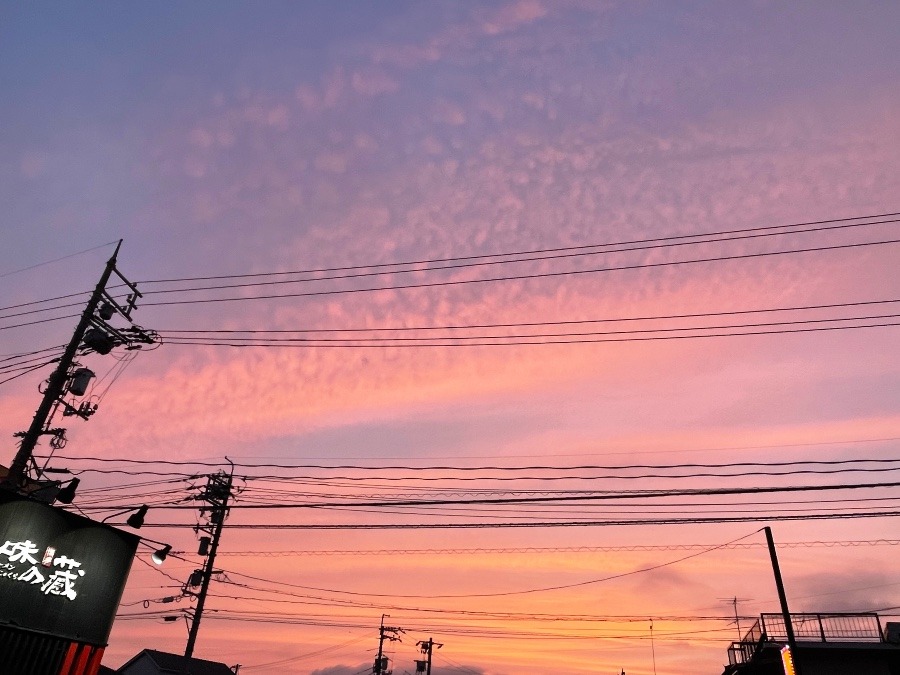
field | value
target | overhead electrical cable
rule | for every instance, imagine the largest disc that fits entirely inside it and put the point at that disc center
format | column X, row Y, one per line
column 21, row 355
column 529, row 591
column 39, row 321
column 643, row 476
column 520, row 277
column 463, row 468
column 618, row 494
column 25, row 363
column 301, row 657
column 504, row 342
column 610, row 522
column 82, row 294
column 529, row 550
column 28, row 370
column 676, row 240
column 532, row 324
column 673, row 238
column 183, row 337
column 473, row 615
column 579, row 251
column 55, row 260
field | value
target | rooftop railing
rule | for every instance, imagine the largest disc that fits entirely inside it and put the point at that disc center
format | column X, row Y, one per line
column 831, row 628
column 824, row 627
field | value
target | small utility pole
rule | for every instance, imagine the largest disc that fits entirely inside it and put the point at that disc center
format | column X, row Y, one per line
column 391, row 634
column 216, row 494
column 782, row 598
column 427, row 648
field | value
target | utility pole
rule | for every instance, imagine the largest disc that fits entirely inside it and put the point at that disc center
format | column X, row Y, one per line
column 782, row 598
column 92, row 333
column 427, row 648
column 391, row 634
column 216, row 493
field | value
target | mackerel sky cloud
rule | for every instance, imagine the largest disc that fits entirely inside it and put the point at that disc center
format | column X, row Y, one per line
column 320, row 141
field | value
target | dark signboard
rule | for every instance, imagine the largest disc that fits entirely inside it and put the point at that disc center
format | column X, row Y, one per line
column 60, row 573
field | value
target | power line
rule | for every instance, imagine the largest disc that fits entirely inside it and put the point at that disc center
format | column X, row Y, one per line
column 29, row 370
column 520, row 277
column 657, row 242
column 448, row 467
column 515, row 341
column 573, row 252
column 55, row 307
column 21, row 355
column 758, row 518
column 584, row 247
column 618, row 494
column 471, row 615
column 531, row 324
column 37, row 322
column 529, row 591
column 302, row 657
column 55, row 260
column 190, row 336
column 79, row 294
column 678, row 240
column 633, row 548
column 25, row 363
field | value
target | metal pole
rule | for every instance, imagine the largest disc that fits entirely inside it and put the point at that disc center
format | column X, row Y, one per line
column 57, row 382
column 208, row 570
column 782, row 598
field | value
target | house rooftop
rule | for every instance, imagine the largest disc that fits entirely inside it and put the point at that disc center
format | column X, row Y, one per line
column 176, row 664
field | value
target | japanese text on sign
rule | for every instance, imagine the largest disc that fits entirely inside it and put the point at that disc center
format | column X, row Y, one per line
column 56, row 575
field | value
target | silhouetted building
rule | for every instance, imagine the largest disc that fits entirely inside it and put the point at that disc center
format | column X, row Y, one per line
column 152, row 662
column 61, row 579
column 826, row 644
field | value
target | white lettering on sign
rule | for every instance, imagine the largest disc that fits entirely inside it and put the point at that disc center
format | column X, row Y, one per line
column 20, row 551
column 17, row 562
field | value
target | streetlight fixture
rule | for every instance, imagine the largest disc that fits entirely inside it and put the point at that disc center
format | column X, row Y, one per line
column 67, row 494
column 160, row 556
column 135, row 520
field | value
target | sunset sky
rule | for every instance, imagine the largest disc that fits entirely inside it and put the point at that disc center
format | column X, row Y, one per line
column 498, row 241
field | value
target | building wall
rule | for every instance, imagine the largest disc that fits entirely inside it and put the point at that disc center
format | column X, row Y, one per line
column 845, row 664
